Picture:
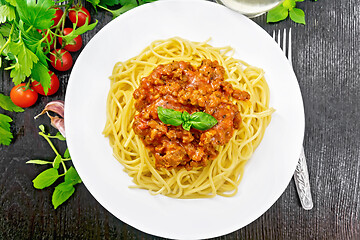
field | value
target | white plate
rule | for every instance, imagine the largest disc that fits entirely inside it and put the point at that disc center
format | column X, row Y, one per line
column 267, row 173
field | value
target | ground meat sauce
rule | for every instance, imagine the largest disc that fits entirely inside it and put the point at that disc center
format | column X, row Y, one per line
column 182, row 87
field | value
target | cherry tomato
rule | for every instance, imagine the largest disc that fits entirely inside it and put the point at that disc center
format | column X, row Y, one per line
column 57, row 16
column 54, row 85
column 81, row 13
column 23, row 97
column 61, row 59
column 75, row 44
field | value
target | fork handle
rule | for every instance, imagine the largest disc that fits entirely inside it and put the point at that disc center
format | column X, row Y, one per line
column 301, row 177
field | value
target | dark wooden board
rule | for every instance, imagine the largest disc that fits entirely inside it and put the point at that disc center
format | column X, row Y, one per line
column 326, row 59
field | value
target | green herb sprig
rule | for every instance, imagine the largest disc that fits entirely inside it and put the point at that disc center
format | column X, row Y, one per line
column 5, row 134
column 125, row 5
column 25, row 26
column 198, row 120
column 49, row 176
column 287, row 8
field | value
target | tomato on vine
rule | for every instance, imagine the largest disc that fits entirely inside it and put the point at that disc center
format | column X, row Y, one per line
column 75, row 44
column 78, row 15
column 23, row 96
column 54, row 85
column 61, row 59
column 57, row 16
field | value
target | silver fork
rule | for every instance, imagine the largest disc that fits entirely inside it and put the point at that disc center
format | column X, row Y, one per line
column 301, row 175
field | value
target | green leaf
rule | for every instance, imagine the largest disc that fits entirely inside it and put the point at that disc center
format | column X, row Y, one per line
column 5, row 29
column 40, row 162
column 36, row 13
column 59, row 136
column 109, row 2
column 123, row 9
column 146, row 1
column 25, row 61
column 202, row 121
column 277, row 14
column 46, row 178
column 7, row 13
column 72, row 177
column 57, row 161
column 185, row 116
column 80, row 30
column 2, row 44
column 39, row 52
column 12, row 2
column 186, row 126
column 297, row 15
column 62, row 193
column 289, row 4
column 170, row 116
column 124, row 2
column 5, row 133
column 42, row 128
column 94, row 2
column 7, row 104
column 40, row 73
column 5, row 137
column 67, row 153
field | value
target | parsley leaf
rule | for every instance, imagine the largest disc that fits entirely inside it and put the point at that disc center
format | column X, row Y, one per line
column 6, row 13
column 111, row 2
column 5, row 133
column 25, row 60
column 126, row 5
column 7, row 104
column 40, row 73
column 36, row 13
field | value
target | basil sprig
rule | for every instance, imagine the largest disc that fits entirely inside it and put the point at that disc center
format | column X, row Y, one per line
column 198, row 120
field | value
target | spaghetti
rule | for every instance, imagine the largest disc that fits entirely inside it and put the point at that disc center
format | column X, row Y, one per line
column 223, row 174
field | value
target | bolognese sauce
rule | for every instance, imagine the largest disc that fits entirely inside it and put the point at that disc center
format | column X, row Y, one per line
column 183, row 87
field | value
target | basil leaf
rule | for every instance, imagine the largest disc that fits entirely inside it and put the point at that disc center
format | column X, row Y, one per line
column 202, row 121
column 61, row 193
column 170, row 116
column 186, row 126
column 185, row 116
column 46, row 178
column 297, row 15
column 277, row 14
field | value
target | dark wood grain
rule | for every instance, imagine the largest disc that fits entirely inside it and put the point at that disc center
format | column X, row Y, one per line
column 326, row 59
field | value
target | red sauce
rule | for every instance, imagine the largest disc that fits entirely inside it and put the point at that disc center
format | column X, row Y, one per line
column 181, row 86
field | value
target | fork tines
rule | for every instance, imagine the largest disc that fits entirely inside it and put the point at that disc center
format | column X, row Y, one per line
column 286, row 41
